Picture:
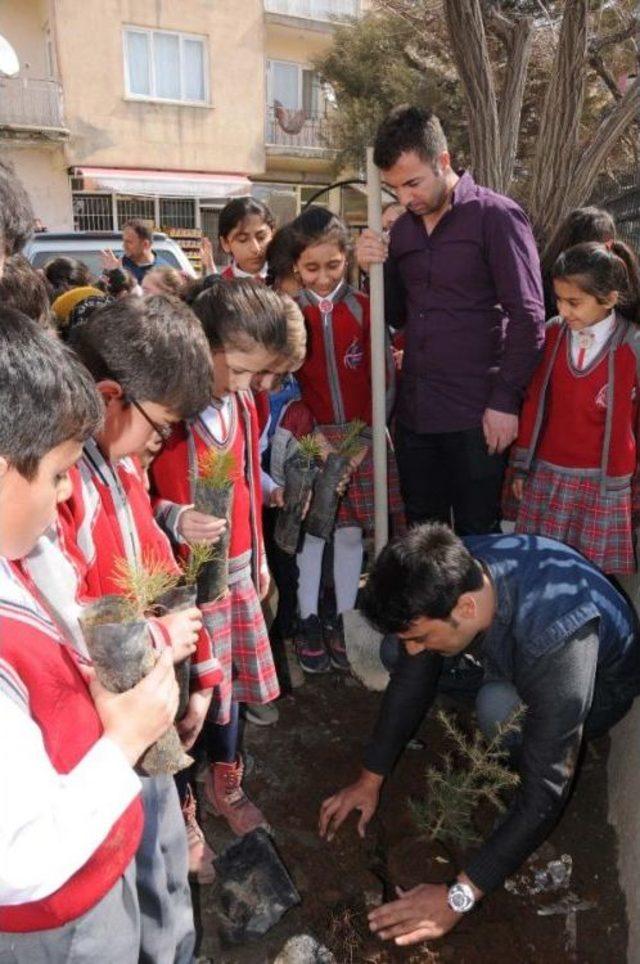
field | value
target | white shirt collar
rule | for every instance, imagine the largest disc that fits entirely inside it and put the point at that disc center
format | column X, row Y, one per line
column 600, row 331
column 319, row 298
column 239, row 273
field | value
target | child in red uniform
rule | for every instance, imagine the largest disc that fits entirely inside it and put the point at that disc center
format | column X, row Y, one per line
column 577, row 449
column 245, row 325
column 70, row 811
column 151, row 364
column 245, row 230
column 335, row 383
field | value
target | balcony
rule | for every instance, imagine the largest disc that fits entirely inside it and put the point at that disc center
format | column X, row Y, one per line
column 295, row 133
column 317, row 11
column 31, row 109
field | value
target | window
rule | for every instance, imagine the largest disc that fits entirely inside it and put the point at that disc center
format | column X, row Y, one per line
column 177, row 213
column 165, row 66
column 92, row 212
column 135, row 209
column 295, row 87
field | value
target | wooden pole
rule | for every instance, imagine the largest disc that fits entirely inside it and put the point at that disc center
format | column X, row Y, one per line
column 378, row 363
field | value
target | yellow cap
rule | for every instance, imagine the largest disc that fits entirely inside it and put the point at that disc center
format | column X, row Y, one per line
column 64, row 304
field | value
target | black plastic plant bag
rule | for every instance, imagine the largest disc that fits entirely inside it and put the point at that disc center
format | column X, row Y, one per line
column 122, row 654
column 299, row 481
column 214, row 575
column 174, row 601
column 321, row 518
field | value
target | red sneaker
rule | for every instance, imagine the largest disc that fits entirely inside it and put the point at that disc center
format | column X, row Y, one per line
column 201, row 855
column 224, row 793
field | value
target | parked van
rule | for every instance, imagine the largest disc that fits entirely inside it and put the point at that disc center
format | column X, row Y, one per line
column 86, row 246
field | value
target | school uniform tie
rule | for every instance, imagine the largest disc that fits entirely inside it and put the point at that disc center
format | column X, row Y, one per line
column 585, row 340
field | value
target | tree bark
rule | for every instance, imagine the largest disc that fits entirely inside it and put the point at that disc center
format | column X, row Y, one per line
column 469, row 46
column 517, row 39
column 558, row 140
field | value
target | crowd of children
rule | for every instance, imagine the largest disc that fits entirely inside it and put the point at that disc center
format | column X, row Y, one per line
column 105, row 443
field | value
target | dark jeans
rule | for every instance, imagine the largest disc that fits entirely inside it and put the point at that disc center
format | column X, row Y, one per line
column 450, row 477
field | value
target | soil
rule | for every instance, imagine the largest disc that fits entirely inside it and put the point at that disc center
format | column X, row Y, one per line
column 314, row 750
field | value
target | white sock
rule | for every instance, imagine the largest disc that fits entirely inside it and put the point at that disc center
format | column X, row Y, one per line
column 347, row 566
column 309, row 575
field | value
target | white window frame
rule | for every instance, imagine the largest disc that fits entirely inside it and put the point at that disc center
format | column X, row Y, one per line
column 301, row 69
column 149, row 32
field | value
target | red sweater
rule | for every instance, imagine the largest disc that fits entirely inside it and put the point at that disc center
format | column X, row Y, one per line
column 37, row 662
column 109, row 517
column 587, row 420
column 335, row 379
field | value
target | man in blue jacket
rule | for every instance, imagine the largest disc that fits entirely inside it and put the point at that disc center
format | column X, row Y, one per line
column 550, row 631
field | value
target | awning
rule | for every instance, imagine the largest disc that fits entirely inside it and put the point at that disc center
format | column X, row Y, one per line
column 162, row 183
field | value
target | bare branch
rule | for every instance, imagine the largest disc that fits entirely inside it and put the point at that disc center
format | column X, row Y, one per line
column 558, row 137
column 627, row 33
column 471, row 55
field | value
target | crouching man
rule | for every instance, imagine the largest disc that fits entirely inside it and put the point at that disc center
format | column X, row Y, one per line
column 550, row 631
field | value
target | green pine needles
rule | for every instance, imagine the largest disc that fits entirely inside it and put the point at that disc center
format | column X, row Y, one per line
column 200, row 554
column 351, row 445
column 454, row 793
column 140, row 584
column 215, row 469
column 310, row 448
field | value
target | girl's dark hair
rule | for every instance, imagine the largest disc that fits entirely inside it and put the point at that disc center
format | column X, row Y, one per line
column 46, row 396
column 581, row 224
column 316, row 225
column 239, row 312
column 280, row 254
column 598, row 270
column 235, row 212
column 64, row 273
column 420, row 574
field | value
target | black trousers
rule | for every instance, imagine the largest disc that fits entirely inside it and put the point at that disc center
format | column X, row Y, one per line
column 450, row 477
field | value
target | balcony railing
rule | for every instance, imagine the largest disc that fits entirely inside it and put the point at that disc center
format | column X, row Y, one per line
column 31, row 104
column 314, row 9
column 294, row 130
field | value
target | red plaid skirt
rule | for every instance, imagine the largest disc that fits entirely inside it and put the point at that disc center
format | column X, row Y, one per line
column 357, row 505
column 241, row 643
column 571, row 508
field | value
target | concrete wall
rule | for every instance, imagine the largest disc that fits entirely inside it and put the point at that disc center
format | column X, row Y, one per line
column 43, row 171
column 23, row 23
column 624, row 802
column 110, row 130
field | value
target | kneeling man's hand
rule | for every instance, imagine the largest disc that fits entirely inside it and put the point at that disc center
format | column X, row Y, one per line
column 362, row 795
column 420, row 914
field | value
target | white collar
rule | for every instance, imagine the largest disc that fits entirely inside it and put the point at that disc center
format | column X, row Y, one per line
column 600, row 331
column 239, row 273
column 319, row 298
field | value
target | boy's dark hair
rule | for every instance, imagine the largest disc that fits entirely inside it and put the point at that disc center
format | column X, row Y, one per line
column 239, row 313
column 316, row 225
column 63, row 273
column 153, row 347
column 46, row 396
column 143, row 231
column 581, row 224
column 598, row 271
column 23, row 288
column 406, row 129
column 422, row 573
column 16, row 213
column 235, row 212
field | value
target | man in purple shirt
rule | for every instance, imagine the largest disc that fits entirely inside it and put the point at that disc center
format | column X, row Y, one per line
column 462, row 276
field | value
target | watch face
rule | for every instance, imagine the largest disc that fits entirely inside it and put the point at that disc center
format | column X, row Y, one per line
column 460, row 898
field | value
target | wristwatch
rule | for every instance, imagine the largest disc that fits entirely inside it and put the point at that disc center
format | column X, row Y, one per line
column 460, row 897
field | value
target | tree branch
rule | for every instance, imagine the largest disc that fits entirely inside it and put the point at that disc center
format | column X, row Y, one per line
column 598, row 64
column 631, row 29
column 471, row 55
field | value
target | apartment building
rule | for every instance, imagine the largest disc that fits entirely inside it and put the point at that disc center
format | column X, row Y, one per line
column 165, row 110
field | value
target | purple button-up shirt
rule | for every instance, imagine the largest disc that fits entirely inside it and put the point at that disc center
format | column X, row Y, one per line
column 470, row 296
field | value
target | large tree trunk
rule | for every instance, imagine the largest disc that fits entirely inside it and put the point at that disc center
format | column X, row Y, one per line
column 558, row 140
column 517, row 39
column 469, row 46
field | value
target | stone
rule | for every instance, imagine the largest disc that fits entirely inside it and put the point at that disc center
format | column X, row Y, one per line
column 304, row 949
column 255, row 888
column 363, row 651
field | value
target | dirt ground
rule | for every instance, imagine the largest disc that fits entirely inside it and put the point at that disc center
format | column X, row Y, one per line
column 313, row 750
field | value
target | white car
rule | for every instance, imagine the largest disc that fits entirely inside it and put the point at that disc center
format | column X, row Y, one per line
column 86, row 246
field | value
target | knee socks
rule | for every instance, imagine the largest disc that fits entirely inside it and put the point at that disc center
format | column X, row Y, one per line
column 347, row 566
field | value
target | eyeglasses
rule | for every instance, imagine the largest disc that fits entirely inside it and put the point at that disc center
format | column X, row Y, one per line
column 164, row 431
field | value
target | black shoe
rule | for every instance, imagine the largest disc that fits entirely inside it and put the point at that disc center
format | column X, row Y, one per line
column 310, row 648
column 333, row 632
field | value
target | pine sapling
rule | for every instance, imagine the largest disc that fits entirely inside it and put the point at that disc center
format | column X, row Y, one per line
column 213, row 493
column 215, row 469
column 200, row 553
column 309, row 446
column 141, row 584
column 454, row 792
column 352, row 444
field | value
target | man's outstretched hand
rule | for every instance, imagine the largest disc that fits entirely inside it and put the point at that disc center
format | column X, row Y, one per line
column 420, row 914
column 362, row 795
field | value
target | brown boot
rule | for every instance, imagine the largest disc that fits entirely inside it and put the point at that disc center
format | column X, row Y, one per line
column 223, row 789
column 201, row 855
